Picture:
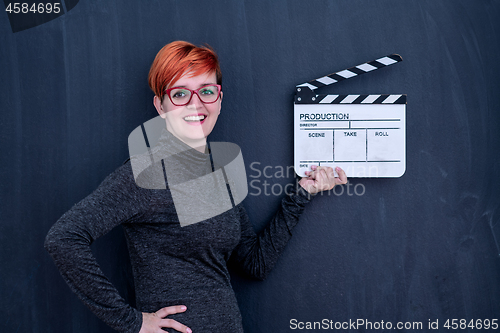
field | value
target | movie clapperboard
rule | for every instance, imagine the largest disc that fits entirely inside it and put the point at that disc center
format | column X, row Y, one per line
column 362, row 134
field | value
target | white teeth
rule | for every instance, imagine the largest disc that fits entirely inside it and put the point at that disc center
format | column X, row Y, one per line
column 195, row 118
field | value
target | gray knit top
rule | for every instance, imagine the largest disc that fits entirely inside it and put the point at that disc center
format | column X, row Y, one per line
column 172, row 265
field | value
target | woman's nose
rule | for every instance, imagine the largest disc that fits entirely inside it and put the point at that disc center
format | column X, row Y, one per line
column 195, row 101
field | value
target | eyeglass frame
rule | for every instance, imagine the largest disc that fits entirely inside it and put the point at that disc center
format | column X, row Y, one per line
column 193, row 92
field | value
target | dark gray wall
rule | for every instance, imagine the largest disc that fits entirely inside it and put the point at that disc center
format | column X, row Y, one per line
column 410, row 249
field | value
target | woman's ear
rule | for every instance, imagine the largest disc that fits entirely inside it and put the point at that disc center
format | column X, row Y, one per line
column 220, row 102
column 159, row 107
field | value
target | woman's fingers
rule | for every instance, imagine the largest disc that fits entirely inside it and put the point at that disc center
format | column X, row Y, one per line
column 170, row 310
column 323, row 178
column 342, row 178
column 321, row 175
column 163, row 312
column 175, row 325
column 323, row 182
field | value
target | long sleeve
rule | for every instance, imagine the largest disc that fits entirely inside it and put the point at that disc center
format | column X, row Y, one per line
column 115, row 201
column 256, row 254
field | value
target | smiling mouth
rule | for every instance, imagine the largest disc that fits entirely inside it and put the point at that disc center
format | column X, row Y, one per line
column 197, row 118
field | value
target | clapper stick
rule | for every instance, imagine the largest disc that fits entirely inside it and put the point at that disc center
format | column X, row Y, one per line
column 305, row 91
column 352, row 72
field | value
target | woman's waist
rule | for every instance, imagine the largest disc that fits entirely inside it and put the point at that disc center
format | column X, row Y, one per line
column 203, row 295
column 208, row 309
column 180, row 273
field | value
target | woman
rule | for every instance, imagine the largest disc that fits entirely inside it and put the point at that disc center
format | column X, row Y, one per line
column 181, row 277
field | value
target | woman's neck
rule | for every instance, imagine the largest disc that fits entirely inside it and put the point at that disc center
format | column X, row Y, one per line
column 199, row 145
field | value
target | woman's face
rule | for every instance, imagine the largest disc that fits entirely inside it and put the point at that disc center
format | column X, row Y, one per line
column 192, row 122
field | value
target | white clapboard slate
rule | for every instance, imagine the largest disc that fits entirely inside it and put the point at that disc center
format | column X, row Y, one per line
column 362, row 134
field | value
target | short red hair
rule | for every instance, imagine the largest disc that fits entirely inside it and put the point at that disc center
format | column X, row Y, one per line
column 175, row 58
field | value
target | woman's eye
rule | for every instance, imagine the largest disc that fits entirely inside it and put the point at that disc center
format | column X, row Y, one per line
column 207, row 91
column 179, row 94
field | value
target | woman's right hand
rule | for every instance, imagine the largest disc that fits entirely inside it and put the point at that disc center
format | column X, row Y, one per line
column 153, row 322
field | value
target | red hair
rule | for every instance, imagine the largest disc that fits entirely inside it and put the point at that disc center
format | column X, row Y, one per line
column 175, row 58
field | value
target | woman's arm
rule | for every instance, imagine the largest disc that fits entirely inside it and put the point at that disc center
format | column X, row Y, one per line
column 256, row 254
column 116, row 200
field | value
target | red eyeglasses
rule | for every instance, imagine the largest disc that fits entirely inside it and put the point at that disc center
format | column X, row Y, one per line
column 181, row 96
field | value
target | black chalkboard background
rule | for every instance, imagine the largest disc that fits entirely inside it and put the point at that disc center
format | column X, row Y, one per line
column 420, row 247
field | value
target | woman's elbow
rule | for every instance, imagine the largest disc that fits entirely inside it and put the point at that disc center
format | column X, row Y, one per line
column 52, row 241
column 58, row 238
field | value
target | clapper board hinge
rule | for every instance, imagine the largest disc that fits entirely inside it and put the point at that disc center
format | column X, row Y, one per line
column 304, row 95
column 305, row 91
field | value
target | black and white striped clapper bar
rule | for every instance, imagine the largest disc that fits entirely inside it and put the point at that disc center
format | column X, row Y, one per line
column 362, row 134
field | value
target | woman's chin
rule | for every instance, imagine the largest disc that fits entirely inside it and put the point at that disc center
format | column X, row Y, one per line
column 193, row 141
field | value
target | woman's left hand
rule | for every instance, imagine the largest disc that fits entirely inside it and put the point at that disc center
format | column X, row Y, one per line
column 322, row 179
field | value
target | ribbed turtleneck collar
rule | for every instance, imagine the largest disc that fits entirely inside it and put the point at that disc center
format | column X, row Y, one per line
column 168, row 145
